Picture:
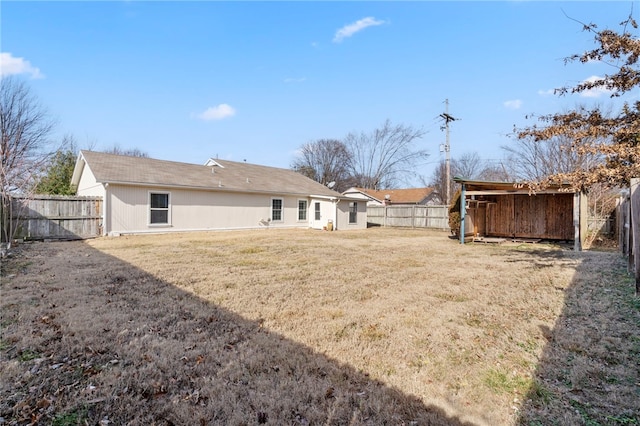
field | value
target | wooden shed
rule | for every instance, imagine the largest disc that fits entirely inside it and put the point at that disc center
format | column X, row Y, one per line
column 509, row 210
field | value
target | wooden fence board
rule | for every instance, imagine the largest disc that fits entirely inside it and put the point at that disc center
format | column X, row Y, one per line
column 412, row 216
column 57, row 217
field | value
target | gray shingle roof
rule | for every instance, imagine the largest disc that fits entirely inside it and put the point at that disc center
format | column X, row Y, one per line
column 232, row 176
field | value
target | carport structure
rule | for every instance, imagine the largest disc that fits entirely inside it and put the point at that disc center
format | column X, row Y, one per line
column 511, row 211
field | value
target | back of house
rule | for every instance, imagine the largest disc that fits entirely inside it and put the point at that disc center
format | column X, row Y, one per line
column 144, row 195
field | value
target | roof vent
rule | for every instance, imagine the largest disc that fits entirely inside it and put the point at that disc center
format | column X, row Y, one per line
column 211, row 163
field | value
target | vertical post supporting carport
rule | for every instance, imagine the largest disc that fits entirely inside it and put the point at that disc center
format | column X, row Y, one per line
column 580, row 213
column 463, row 203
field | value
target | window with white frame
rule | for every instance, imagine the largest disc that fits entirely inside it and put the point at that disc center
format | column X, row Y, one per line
column 317, row 210
column 276, row 209
column 159, row 208
column 353, row 212
column 302, row 210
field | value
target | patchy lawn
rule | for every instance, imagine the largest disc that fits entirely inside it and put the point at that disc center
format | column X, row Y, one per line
column 307, row 327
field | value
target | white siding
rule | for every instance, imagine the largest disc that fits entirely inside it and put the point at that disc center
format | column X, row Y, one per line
column 327, row 213
column 88, row 186
column 343, row 215
column 198, row 210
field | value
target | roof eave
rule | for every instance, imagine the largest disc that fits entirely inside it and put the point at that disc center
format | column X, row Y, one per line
column 214, row 188
column 78, row 169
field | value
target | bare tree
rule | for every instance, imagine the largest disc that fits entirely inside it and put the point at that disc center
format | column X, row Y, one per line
column 531, row 160
column 385, row 156
column 132, row 152
column 25, row 127
column 602, row 202
column 325, row 161
column 469, row 165
column 439, row 181
column 495, row 173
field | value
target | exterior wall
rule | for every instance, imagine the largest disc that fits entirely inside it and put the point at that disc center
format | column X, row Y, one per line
column 343, row 215
column 88, row 186
column 201, row 210
column 327, row 213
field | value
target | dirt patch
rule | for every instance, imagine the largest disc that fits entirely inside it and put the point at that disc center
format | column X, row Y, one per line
column 307, row 327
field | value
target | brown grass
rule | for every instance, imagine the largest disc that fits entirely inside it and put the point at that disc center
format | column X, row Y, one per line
column 307, row 327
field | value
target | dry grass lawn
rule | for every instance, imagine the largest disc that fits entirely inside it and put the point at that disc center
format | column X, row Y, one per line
column 302, row 327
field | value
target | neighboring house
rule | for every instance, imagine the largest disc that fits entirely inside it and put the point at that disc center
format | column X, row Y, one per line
column 146, row 195
column 410, row 196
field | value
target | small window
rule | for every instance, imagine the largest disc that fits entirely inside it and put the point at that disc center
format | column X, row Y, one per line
column 276, row 210
column 159, row 211
column 353, row 212
column 317, row 207
column 302, row 210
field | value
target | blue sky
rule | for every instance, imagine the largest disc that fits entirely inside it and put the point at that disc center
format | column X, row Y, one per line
column 253, row 81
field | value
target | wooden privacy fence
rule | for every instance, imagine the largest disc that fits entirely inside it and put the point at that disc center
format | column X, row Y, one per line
column 628, row 217
column 56, row 217
column 412, row 216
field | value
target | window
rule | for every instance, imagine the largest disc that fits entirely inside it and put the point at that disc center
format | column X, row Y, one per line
column 317, row 207
column 276, row 210
column 159, row 212
column 353, row 212
column 302, row 209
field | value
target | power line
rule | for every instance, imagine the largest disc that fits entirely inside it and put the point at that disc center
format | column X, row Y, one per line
column 447, row 147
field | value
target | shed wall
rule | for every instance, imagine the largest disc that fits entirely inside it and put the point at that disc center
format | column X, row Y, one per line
column 548, row 216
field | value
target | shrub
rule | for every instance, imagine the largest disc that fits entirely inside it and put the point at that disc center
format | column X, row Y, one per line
column 454, row 213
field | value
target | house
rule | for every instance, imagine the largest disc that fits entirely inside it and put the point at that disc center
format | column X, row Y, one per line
column 409, row 196
column 142, row 195
column 510, row 210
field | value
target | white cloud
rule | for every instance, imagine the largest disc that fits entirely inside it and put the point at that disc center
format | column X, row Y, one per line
column 351, row 29
column 597, row 92
column 218, row 112
column 514, row 104
column 547, row 92
column 10, row 65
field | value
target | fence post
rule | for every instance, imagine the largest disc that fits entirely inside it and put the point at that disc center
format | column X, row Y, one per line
column 413, row 216
column 635, row 229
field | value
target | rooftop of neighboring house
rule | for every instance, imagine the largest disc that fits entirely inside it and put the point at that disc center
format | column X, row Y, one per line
column 395, row 196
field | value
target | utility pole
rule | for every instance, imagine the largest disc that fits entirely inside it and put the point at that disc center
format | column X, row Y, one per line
column 447, row 147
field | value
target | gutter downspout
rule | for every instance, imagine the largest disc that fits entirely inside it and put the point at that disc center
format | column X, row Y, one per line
column 105, row 209
column 463, row 203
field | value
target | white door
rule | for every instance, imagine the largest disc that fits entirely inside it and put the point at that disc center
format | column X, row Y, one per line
column 316, row 214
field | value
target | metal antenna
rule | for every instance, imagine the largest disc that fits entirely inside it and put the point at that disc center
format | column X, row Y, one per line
column 447, row 147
